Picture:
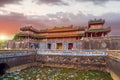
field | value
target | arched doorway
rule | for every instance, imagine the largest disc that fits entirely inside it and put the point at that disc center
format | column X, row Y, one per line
column 59, row 46
column 70, row 46
column 3, row 68
column 49, row 46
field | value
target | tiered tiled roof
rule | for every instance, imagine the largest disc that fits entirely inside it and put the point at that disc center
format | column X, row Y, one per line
column 96, row 21
column 62, row 29
column 29, row 28
column 70, row 31
column 65, row 35
column 30, row 35
column 100, row 30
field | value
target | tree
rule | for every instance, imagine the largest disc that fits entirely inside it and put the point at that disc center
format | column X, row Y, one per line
column 3, row 44
column 16, row 37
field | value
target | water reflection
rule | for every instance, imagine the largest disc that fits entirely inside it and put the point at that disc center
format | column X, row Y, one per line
column 46, row 73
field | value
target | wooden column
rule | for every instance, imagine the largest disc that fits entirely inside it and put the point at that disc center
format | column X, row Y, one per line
column 91, row 35
column 102, row 34
column 86, row 34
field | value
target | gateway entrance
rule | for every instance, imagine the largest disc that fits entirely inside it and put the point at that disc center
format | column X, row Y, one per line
column 59, row 46
column 70, row 46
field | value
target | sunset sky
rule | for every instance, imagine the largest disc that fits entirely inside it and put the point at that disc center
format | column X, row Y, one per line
column 43, row 14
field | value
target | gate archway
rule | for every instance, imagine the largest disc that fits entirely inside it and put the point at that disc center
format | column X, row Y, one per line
column 3, row 68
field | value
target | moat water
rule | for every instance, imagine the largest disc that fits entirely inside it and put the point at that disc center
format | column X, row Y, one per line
column 47, row 73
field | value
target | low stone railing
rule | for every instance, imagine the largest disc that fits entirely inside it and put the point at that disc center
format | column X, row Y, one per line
column 10, row 53
column 114, row 53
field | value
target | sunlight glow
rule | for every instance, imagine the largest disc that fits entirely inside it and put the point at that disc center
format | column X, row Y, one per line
column 3, row 37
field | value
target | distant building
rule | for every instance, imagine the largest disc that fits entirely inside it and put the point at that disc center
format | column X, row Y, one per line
column 60, row 38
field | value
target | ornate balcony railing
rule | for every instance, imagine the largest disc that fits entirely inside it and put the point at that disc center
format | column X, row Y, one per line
column 74, row 52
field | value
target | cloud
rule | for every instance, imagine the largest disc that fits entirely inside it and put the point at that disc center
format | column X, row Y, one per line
column 11, row 23
column 113, row 20
column 66, row 19
column 51, row 2
column 96, row 2
column 4, row 2
column 99, row 2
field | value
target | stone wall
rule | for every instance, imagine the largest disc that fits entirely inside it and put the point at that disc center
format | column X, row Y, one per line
column 22, row 44
column 85, row 43
column 100, row 43
column 17, row 57
column 102, row 63
column 79, row 62
column 113, row 65
column 13, row 61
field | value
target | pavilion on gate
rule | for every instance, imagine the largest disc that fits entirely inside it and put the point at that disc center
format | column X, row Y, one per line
column 60, row 38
